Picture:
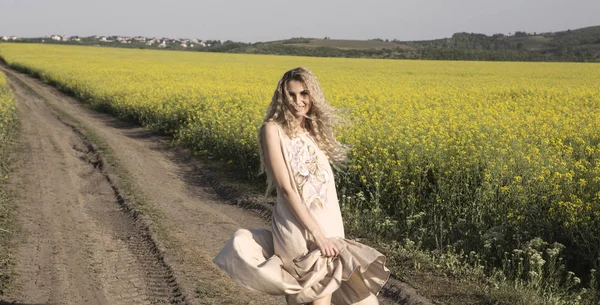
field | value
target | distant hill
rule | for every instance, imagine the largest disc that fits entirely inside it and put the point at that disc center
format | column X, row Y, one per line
column 571, row 45
column 377, row 44
column 584, row 38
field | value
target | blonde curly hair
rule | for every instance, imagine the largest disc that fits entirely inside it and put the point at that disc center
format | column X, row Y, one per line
column 319, row 121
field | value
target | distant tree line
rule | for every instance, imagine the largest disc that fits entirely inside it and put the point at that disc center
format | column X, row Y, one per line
column 428, row 53
column 582, row 45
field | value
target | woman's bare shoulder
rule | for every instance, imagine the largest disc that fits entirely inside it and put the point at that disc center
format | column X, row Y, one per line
column 270, row 129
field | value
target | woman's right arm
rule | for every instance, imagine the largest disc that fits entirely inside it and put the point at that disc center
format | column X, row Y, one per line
column 281, row 177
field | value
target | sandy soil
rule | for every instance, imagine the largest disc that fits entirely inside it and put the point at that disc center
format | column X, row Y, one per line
column 82, row 240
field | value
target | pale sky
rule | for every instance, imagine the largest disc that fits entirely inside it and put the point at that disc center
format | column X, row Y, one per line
column 266, row 20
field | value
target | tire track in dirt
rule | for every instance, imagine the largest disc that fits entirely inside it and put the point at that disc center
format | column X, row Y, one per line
column 76, row 246
column 190, row 220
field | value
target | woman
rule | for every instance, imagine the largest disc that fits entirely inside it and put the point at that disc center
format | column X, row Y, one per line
column 305, row 256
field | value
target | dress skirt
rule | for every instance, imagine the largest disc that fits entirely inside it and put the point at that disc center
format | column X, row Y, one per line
column 285, row 260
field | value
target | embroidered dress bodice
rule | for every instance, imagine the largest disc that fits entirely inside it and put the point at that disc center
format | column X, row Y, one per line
column 311, row 176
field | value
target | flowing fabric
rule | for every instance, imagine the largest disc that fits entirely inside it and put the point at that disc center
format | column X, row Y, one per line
column 286, row 261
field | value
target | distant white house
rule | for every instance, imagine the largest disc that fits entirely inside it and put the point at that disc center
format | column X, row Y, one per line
column 139, row 38
column 105, row 39
column 191, row 45
column 56, row 37
column 5, row 38
column 13, row 38
column 163, row 44
column 183, row 45
column 202, row 44
column 65, row 38
column 123, row 39
column 152, row 41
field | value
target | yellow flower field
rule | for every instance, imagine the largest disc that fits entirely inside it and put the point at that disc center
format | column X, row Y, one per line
column 8, row 125
column 479, row 155
column 8, row 116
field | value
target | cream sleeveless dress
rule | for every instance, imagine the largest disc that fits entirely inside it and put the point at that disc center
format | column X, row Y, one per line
column 286, row 261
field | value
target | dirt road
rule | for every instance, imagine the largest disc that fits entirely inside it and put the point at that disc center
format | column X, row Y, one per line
column 82, row 239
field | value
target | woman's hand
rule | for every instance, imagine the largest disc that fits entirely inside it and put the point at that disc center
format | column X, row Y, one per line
column 326, row 246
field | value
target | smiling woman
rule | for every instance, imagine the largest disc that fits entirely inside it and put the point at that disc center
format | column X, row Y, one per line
column 305, row 255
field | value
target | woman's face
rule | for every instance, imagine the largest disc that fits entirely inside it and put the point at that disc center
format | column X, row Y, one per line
column 299, row 101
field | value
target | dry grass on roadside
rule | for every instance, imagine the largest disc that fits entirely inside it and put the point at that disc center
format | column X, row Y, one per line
column 8, row 128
